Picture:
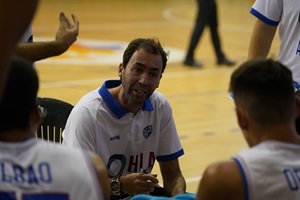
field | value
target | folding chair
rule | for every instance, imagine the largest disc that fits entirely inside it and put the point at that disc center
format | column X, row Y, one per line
column 55, row 114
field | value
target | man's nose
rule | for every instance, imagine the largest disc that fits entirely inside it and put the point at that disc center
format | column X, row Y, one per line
column 144, row 79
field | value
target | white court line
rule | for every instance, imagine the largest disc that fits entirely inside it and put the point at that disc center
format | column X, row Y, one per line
column 71, row 83
column 194, row 179
column 109, row 26
column 167, row 15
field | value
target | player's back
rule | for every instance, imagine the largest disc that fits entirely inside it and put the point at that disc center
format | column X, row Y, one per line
column 35, row 169
column 271, row 171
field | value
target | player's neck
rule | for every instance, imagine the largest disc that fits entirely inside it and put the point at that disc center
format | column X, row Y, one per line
column 15, row 135
column 286, row 134
column 118, row 94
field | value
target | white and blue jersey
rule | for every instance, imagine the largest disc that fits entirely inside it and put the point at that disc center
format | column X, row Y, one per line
column 286, row 14
column 297, row 86
column 35, row 170
column 27, row 35
column 126, row 142
column 271, row 170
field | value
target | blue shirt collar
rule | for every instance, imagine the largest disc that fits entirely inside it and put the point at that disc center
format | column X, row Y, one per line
column 113, row 104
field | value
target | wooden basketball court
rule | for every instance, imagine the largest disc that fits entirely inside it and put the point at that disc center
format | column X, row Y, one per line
column 202, row 109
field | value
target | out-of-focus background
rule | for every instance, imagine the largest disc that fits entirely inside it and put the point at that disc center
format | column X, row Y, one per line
column 203, row 112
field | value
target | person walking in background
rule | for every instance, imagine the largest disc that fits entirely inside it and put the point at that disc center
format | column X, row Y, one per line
column 31, row 168
column 207, row 16
column 265, row 107
column 271, row 14
column 130, row 125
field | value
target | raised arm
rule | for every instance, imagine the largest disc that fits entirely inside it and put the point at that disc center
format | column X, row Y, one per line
column 66, row 35
column 261, row 40
column 102, row 175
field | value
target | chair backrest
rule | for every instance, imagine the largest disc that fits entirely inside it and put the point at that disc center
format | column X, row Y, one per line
column 55, row 114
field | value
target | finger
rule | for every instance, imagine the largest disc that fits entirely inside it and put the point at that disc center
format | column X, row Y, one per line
column 148, row 187
column 149, row 177
column 64, row 20
column 75, row 20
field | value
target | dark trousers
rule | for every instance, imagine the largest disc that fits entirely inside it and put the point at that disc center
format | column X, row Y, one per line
column 207, row 16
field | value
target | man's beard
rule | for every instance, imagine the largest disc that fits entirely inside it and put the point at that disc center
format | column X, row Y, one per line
column 134, row 100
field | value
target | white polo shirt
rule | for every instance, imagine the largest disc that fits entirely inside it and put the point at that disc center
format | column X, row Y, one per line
column 126, row 142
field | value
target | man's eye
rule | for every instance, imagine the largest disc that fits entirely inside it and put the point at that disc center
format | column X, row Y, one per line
column 137, row 70
column 154, row 75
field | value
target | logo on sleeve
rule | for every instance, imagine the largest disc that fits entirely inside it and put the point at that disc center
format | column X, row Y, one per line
column 147, row 131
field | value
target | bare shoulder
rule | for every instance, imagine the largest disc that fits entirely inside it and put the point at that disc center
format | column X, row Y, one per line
column 221, row 180
column 98, row 163
column 102, row 175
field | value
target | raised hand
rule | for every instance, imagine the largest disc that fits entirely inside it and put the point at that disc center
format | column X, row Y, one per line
column 67, row 32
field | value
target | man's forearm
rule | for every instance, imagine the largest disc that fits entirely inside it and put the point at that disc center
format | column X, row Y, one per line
column 175, row 186
column 35, row 51
column 261, row 40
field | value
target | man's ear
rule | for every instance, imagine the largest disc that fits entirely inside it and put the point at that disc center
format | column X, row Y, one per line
column 241, row 118
column 35, row 118
column 159, row 81
column 120, row 70
column 37, row 115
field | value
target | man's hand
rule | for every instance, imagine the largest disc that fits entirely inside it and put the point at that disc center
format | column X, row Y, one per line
column 137, row 183
column 67, row 32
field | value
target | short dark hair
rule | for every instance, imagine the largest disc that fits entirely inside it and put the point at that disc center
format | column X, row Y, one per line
column 264, row 87
column 151, row 45
column 19, row 98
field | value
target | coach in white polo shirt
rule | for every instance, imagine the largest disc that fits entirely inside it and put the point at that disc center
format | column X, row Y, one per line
column 130, row 125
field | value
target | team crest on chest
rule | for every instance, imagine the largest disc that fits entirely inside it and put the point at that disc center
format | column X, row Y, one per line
column 147, row 131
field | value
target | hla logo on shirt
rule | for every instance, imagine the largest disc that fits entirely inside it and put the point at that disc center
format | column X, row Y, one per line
column 98, row 52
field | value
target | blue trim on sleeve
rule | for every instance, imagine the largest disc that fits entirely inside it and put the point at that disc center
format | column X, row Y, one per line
column 263, row 18
column 246, row 187
column 171, row 156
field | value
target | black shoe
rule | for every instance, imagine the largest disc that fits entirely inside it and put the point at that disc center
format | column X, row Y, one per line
column 225, row 61
column 192, row 63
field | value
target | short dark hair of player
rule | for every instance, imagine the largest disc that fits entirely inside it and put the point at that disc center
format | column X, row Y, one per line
column 151, row 45
column 264, row 87
column 19, row 98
